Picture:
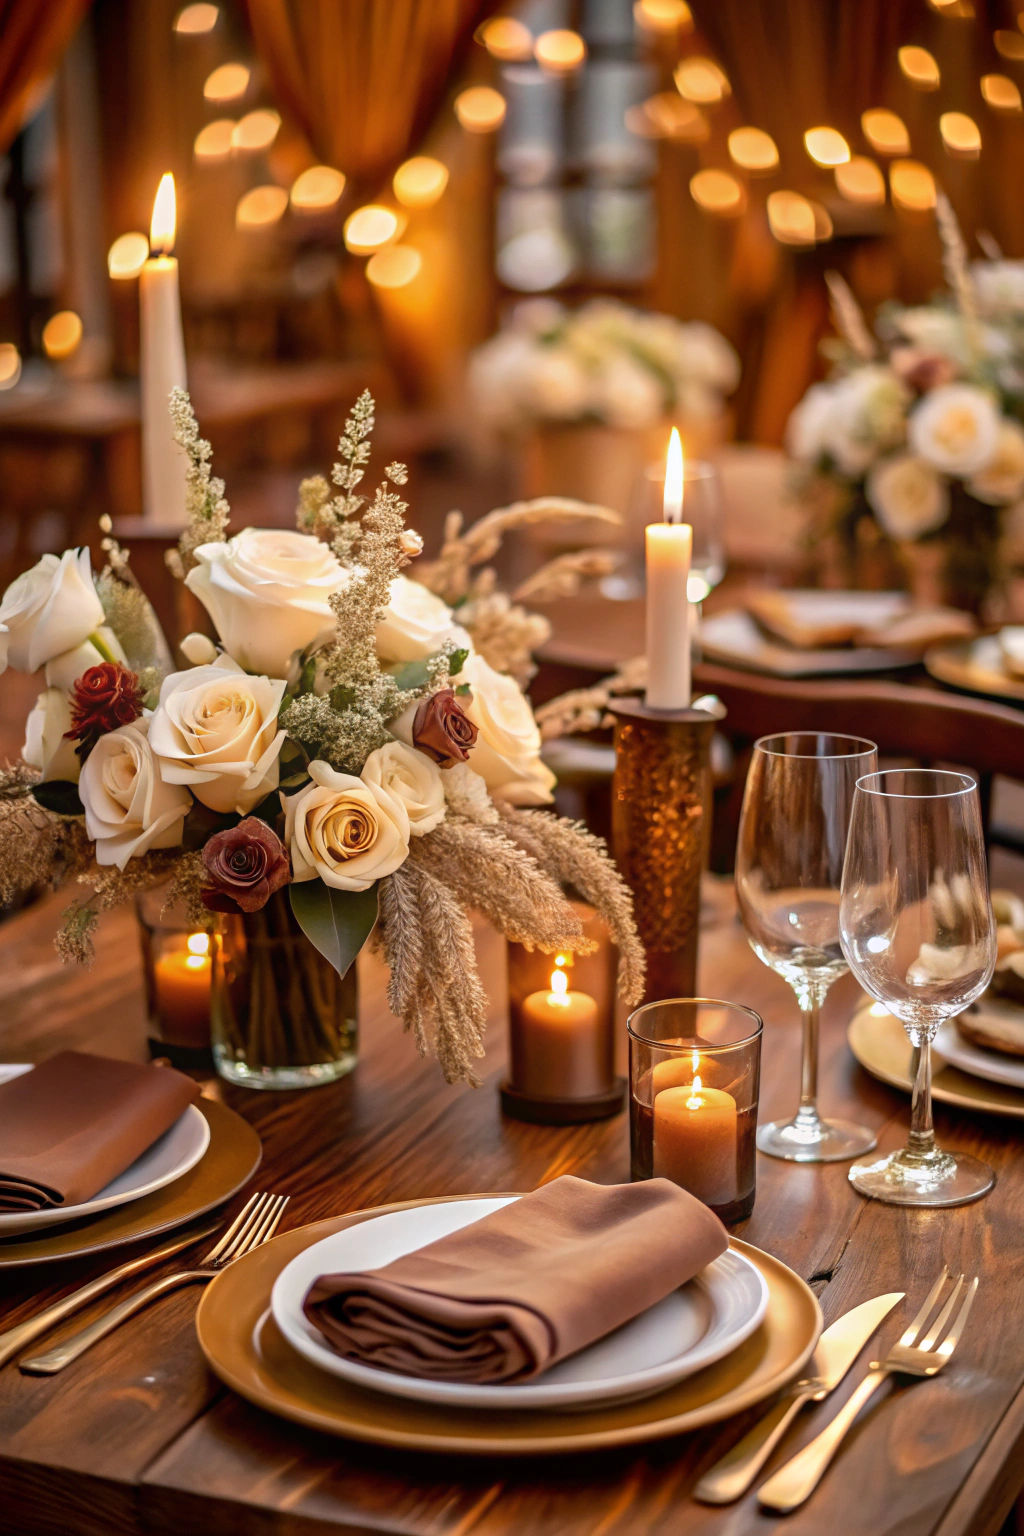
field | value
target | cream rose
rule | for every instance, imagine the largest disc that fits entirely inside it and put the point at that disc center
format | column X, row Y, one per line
column 267, row 591
column 908, row 496
column 50, row 609
column 411, row 778
column 65, row 670
column 129, row 808
column 507, row 750
column 1001, row 480
column 415, row 624
column 345, row 831
column 216, row 729
column 45, row 745
column 956, row 428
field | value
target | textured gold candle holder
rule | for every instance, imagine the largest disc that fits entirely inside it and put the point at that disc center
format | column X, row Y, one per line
column 661, row 823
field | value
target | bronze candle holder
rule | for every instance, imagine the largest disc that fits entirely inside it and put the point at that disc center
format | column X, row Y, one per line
column 661, row 823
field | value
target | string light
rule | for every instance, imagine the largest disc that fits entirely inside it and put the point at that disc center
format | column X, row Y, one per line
column 420, row 182
column 480, row 109
column 193, row 20
column 663, row 15
column 700, row 80
column 214, row 141
column 128, row 255
column 885, row 132
column 960, row 10
column 960, row 135
column 826, row 146
column 919, row 67
column 10, row 365
column 912, row 185
column 753, row 150
column 317, row 189
column 717, row 192
column 62, row 333
column 260, row 207
column 506, row 38
column 257, row 130
column 370, row 227
column 1001, row 93
column 394, row 266
column 860, row 181
column 560, row 51
column 668, row 116
column 1009, row 44
column 791, row 218
column 227, row 82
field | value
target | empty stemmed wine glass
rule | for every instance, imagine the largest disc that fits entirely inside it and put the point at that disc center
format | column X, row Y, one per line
column 789, row 864
column 916, row 926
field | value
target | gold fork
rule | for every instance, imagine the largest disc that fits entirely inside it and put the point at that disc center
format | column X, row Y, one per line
column 914, row 1355
column 255, row 1223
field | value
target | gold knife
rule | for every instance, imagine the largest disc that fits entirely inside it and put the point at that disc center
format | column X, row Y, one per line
column 23, row 1333
column 833, row 1356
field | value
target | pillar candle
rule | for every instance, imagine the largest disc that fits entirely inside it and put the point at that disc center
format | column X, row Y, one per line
column 560, row 1050
column 162, row 366
column 695, row 1141
column 669, row 545
column 181, row 992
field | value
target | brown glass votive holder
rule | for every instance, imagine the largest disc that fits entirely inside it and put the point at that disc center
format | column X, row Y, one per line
column 694, row 1078
column 176, row 963
column 562, row 1032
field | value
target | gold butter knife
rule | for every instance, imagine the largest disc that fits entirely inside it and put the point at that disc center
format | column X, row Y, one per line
column 833, row 1356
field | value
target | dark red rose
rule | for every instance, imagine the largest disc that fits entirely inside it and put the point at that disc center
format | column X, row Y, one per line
column 442, row 729
column 246, row 865
column 104, row 697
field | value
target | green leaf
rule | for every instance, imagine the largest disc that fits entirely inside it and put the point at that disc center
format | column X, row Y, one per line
column 337, row 922
column 59, row 796
column 462, row 690
column 411, row 675
column 456, row 661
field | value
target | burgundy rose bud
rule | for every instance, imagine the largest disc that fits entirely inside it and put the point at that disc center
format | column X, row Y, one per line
column 104, row 697
column 442, row 729
column 246, row 865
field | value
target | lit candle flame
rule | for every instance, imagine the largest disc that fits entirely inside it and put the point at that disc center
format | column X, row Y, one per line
column 165, row 216
column 559, row 988
column 695, row 1100
column 672, row 503
column 198, row 951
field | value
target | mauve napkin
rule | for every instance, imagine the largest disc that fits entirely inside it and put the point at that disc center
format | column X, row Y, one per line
column 519, row 1290
column 76, row 1121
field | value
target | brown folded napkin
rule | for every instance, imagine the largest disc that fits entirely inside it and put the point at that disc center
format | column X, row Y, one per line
column 74, row 1123
column 519, row 1290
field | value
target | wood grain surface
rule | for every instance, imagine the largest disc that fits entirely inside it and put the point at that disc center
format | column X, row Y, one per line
column 138, row 1437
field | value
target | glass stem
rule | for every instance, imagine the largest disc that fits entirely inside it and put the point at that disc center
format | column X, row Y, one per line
column 810, row 1000
column 922, row 1134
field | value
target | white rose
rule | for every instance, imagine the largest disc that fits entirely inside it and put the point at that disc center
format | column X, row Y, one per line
column 45, row 745
column 216, row 729
column 50, row 609
column 507, row 749
column 554, row 386
column 267, row 591
column 625, row 394
column 4, row 642
column 416, row 622
column 956, row 428
column 347, row 832
column 198, row 649
column 808, row 424
column 999, row 286
column 908, row 496
column 704, row 353
column 867, row 417
column 129, row 808
column 935, row 330
column 410, row 777
column 63, row 671
column 1002, row 478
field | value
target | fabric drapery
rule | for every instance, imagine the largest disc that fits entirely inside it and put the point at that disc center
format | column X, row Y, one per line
column 361, row 78
column 33, row 35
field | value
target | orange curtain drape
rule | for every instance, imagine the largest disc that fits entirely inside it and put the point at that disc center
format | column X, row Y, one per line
column 361, row 78
column 33, row 35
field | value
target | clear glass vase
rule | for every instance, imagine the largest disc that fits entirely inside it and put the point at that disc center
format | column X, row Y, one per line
column 280, row 1015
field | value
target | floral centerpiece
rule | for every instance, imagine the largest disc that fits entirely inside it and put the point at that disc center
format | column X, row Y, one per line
column 915, row 441
column 341, row 762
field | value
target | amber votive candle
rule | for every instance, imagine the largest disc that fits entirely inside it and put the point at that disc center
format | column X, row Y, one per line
column 695, row 1136
column 560, row 1049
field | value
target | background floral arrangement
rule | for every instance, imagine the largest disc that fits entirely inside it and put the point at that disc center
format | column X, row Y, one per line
column 344, row 737
column 920, row 428
column 603, row 362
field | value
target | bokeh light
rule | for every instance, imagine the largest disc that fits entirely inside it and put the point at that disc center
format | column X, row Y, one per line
column 128, row 255
column 507, row 39
column 699, row 79
column 394, row 266
column 480, row 109
column 912, row 185
column 61, row 334
column 193, row 20
column 791, row 218
column 214, row 141
column 663, row 15
column 261, row 207
column 860, row 180
column 420, row 182
column 960, row 135
column 919, row 67
column 1001, row 93
column 753, row 150
column 256, row 130
column 370, row 227
column 1009, row 44
column 717, row 192
column 317, row 189
column 227, row 82
column 668, row 116
column 826, row 146
column 885, row 132
column 10, row 365
column 560, row 51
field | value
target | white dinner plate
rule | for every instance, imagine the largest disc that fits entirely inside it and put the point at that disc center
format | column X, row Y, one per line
column 691, row 1328
column 176, row 1151
column 991, row 1065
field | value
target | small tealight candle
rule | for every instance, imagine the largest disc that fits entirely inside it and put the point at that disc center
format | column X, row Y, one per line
column 561, row 1049
column 696, row 1141
column 181, row 988
column 669, row 547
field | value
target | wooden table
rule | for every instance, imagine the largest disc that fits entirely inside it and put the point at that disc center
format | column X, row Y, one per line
column 137, row 1436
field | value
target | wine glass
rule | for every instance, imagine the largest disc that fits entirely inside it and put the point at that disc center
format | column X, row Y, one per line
column 916, row 925
column 789, row 864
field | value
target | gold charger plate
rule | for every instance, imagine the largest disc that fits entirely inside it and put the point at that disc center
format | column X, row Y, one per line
column 975, row 665
column 243, row 1345
column 880, row 1044
column 229, row 1161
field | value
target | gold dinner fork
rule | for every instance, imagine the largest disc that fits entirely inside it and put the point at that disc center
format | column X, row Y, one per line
column 914, row 1355
column 255, row 1223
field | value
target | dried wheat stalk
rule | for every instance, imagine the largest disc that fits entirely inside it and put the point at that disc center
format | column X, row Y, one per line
column 583, row 709
column 563, row 576
column 450, row 574
column 848, row 317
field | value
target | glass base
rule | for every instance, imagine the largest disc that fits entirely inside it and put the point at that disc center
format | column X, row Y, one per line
column 808, row 1139
column 930, row 1178
column 314, row 1075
